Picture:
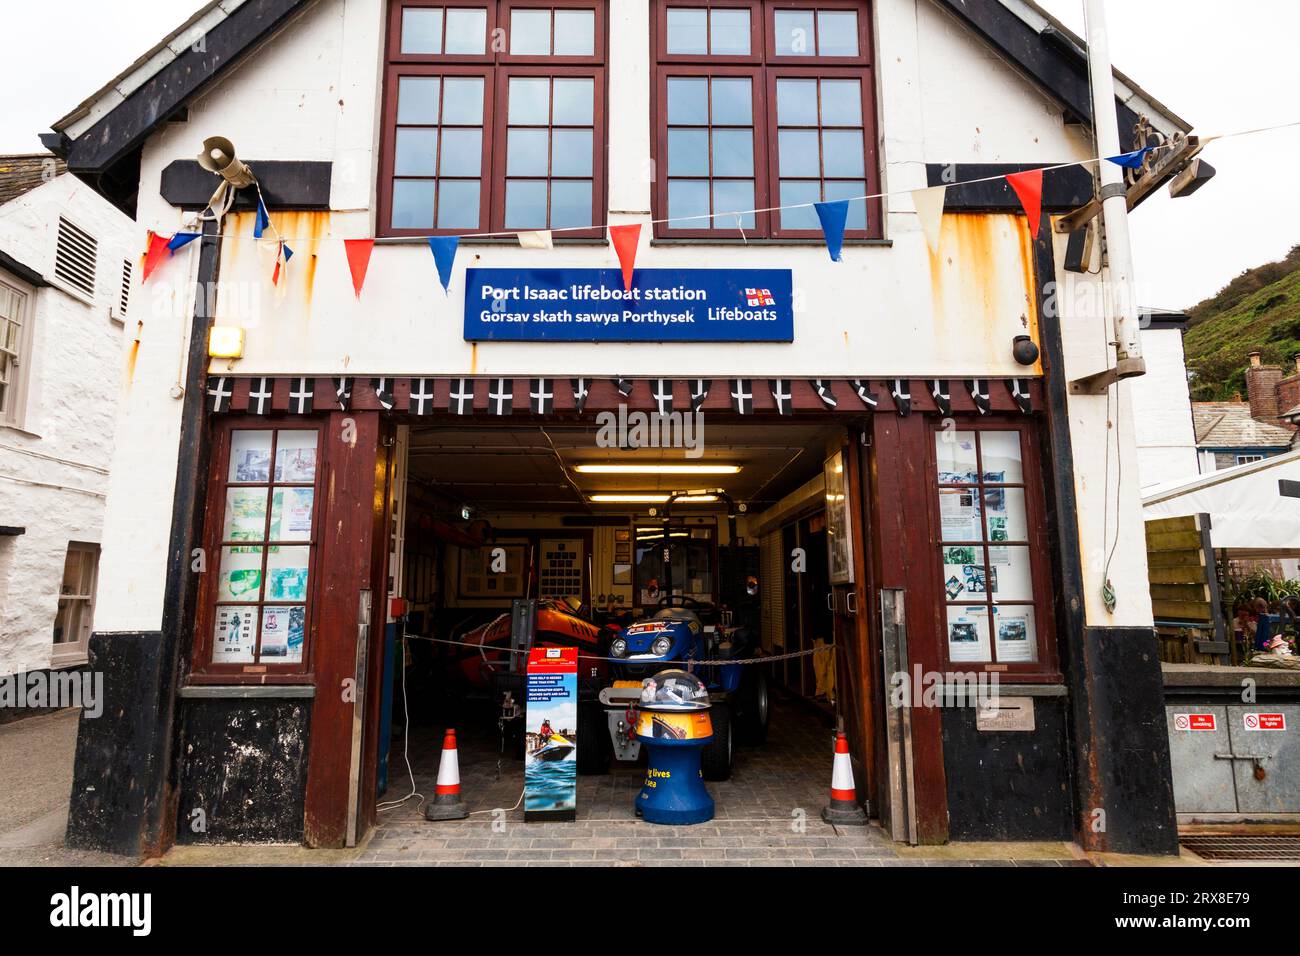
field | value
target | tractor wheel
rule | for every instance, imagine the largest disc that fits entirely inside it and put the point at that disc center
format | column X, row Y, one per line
column 718, row 754
column 595, row 749
column 753, row 706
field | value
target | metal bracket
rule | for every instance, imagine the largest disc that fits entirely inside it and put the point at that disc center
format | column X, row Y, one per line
column 1098, row 382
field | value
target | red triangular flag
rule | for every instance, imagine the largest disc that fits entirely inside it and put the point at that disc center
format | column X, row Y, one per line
column 358, row 252
column 155, row 254
column 625, row 239
column 1029, row 189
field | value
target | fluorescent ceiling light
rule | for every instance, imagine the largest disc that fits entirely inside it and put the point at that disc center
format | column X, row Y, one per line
column 652, row 469
column 633, row 499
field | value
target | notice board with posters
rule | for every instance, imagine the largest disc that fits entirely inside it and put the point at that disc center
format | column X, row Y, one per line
column 662, row 305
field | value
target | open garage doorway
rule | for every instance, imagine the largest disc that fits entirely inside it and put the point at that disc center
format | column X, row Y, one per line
column 512, row 535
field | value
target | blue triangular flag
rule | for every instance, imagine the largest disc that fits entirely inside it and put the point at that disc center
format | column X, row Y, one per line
column 833, row 216
column 263, row 220
column 181, row 239
column 288, row 253
column 1131, row 160
column 444, row 255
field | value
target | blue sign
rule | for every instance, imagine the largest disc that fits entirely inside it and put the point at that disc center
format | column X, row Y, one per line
column 663, row 305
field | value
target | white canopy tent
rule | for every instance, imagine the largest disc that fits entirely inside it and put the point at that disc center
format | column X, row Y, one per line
column 1249, row 515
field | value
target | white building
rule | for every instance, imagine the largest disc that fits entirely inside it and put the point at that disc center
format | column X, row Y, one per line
column 66, row 262
column 1162, row 405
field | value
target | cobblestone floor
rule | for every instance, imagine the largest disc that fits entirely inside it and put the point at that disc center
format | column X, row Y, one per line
column 768, row 813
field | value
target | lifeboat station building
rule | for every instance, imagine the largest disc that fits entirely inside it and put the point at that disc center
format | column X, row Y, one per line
column 469, row 327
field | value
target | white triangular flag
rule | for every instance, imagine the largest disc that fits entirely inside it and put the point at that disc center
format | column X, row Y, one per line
column 929, row 212
column 536, row 240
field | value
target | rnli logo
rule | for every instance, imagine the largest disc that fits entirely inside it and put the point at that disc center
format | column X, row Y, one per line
column 757, row 297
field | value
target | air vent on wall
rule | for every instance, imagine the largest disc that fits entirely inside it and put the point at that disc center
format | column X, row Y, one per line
column 124, row 295
column 74, row 257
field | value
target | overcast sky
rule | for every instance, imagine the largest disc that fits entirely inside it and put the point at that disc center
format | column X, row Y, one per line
column 1221, row 66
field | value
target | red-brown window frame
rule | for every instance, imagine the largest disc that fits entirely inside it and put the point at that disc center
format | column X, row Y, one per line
column 1046, row 669
column 495, row 67
column 203, row 670
column 765, row 68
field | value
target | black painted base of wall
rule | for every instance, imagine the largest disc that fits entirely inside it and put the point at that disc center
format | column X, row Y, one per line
column 115, row 750
column 1012, row 785
column 243, row 770
column 1130, row 776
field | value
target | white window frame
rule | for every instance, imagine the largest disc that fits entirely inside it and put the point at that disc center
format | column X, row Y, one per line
column 76, row 651
column 1246, row 459
column 14, row 412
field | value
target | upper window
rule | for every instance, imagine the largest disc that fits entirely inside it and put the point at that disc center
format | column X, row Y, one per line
column 731, row 77
column 15, row 339
column 494, row 117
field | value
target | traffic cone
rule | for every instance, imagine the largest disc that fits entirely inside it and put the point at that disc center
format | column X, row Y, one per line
column 844, row 809
column 446, row 803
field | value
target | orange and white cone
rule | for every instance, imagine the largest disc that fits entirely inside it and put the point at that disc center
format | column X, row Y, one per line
column 844, row 809
column 446, row 803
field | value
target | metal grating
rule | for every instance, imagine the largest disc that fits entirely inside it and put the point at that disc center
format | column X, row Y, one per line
column 1213, row 847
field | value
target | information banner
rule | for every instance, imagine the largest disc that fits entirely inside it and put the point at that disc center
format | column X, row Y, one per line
column 663, row 305
column 551, row 735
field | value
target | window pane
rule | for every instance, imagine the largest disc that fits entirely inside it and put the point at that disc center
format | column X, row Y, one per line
column 799, row 192
column 286, row 573
column 796, row 102
column 458, row 205
column 688, row 152
column 575, row 32
column 574, row 102
column 954, row 452
column 842, row 153
column 233, row 638
column 1009, row 567
column 968, row 634
column 798, row 153
column 571, row 151
column 526, row 204
column 291, row 510
column 841, row 103
column 688, row 197
column 282, row 634
column 466, row 31
column 794, row 33
column 412, row 204
column 417, row 100
column 250, row 456
column 959, row 515
column 463, row 101
column 1004, row 514
column 1001, row 452
column 462, row 152
column 530, row 100
column 687, row 31
column 526, row 152
column 1015, row 635
column 416, row 152
column 849, row 189
column 730, row 32
column 570, row 203
column 733, row 152
column 732, row 102
column 963, row 573
column 245, row 514
column 295, row 456
column 530, row 32
column 240, row 577
column 421, row 31
column 688, row 101
column 837, row 33
column 733, row 195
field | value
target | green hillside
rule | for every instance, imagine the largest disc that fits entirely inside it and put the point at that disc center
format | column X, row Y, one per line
column 1259, row 310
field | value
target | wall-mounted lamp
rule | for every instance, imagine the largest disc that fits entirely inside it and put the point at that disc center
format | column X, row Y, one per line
column 226, row 342
column 1023, row 350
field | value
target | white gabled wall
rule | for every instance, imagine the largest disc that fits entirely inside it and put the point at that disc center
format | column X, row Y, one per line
column 53, row 470
column 888, row 309
column 1162, row 410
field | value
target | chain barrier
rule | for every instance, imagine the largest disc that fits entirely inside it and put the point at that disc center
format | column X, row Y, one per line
column 768, row 659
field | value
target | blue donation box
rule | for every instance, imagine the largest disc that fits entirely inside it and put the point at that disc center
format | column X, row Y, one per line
column 663, row 305
column 551, row 735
